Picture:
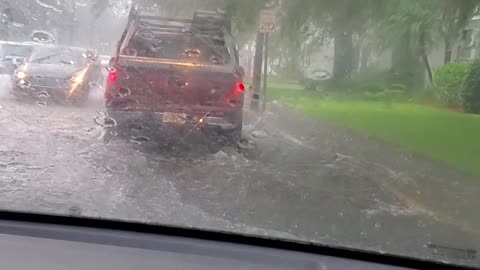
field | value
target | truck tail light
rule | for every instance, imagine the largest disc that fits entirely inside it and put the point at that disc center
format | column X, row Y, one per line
column 240, row 87
column 112, row 76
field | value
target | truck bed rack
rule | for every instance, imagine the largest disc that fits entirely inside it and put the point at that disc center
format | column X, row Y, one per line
column 204, row 22
column 152, row 34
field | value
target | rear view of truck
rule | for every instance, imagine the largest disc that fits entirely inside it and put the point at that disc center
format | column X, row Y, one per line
column 177, row 72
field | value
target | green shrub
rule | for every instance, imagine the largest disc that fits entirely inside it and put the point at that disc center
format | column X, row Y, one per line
column 366, row 82
column 471, row 93
column 310, row 84
column 371, row 80
column 448, row 83
column 425, row 96
column 388, row 96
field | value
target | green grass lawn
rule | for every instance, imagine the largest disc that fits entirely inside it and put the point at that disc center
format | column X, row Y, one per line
column 449, row 137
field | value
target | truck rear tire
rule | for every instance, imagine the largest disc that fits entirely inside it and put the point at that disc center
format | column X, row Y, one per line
column 223, row 138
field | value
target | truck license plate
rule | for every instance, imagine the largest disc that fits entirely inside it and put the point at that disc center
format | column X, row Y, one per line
column 177, row 118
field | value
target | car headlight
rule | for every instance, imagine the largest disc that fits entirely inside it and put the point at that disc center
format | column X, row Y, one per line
column 77, row 79
column 21, row 75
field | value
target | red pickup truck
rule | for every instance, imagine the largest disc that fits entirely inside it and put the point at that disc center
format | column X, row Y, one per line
column 177, row 72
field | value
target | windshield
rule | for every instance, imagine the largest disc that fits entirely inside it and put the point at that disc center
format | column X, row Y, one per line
column 184, row 47
column 15, row 50
column 349, row 123
column 56, row 56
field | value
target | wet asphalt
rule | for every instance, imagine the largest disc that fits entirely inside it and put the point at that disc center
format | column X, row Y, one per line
column 296, row 178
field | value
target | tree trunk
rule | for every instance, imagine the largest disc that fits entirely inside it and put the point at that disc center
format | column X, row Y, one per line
column 405, row 65
column 447, row 57
column 365, row 55
column 356, row 58
column 423, row 49
column 450, row 34
column 309, row 55
column 343, row 49
column 428, row 68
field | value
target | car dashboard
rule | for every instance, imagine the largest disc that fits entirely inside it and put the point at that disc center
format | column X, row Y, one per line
column 35, row 245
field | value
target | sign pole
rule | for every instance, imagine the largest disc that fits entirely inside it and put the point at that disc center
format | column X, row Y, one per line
column 257, row 72
column 265, row 71
column 266, row 24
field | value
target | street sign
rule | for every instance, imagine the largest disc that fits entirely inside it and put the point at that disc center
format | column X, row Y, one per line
column 267, row 21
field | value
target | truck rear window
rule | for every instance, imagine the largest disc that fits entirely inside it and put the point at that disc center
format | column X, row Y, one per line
column 183, row 47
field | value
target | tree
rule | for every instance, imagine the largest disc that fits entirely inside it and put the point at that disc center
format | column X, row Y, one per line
column 290, row 40
column 342, row 19
column 413, row 27
column 471, row 93
column 98, row 7
column 456, row 16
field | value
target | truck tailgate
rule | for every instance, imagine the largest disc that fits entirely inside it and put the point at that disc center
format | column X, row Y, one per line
column 173, row 88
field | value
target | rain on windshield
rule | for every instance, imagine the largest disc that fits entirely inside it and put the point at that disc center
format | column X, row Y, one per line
column 349, row 123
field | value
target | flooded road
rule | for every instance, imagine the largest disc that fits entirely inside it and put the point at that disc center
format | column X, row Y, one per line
column 289, row 182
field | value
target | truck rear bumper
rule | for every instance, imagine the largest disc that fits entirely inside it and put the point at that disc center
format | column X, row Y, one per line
column 228, row 121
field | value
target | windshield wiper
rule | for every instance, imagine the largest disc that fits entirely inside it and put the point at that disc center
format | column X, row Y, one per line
column 66, row 62
column 44, row 58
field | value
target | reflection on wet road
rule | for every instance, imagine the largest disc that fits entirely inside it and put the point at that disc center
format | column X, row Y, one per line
column 292, row 184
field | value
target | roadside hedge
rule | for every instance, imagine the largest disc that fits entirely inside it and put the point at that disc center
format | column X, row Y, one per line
column 471, row 92
column 449, row 82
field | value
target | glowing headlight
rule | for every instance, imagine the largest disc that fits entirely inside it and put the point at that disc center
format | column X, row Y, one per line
column 21, row 75
column 77, row 79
